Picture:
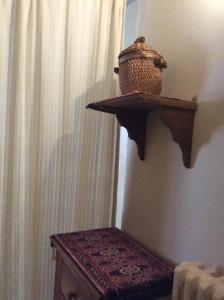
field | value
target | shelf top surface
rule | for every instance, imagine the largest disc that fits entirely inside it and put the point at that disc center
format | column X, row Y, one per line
column 141, row 101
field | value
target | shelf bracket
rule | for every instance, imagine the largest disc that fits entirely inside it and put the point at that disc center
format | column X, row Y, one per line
column 180, row 123
column 132, row 110
column 135, row 123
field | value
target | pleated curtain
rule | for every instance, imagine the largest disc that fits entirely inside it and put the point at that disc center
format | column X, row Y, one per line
column 57, row 159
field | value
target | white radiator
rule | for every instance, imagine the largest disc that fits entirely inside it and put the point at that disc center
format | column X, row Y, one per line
column 193, row 282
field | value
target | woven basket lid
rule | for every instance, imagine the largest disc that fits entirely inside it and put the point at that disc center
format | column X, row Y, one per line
column 142, row 50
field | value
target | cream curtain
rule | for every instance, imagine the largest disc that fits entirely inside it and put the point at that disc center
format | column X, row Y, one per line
column 57, row 160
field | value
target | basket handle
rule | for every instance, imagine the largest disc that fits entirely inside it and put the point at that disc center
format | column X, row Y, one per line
column 116, row 70
column 160, row 63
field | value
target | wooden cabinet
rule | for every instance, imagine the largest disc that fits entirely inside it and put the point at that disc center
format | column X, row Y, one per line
column 105, row 264
column 70, row 283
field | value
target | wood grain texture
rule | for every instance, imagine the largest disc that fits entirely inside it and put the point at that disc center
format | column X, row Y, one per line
column 141, row 101
column 132, row 110
column 137, row 129
column 180, row 124
column 57, row 280
column 70, row 282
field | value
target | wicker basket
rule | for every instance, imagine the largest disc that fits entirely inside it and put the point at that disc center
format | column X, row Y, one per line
column 140, row 69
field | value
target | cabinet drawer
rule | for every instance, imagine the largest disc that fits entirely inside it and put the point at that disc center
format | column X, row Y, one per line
column 62, row 297
column 75, row 288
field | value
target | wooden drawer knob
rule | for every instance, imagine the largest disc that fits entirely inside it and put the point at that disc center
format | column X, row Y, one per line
column 72, row 296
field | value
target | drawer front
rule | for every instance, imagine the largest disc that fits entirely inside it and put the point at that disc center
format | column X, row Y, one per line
column 62, row 297
column 75, row 288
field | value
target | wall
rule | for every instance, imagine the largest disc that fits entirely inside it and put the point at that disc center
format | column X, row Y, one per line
column 131, row 27
column 174, row 210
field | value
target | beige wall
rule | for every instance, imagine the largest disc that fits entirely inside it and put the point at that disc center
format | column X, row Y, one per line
column 174, row 210
column 131, row 27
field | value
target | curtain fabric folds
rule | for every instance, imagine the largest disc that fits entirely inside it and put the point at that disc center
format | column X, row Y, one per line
column 57, row 160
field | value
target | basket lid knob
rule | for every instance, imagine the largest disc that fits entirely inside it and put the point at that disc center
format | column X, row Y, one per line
column 140, row 39
column 143, row 50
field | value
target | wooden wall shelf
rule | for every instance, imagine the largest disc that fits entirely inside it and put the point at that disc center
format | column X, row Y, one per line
column 132, row 110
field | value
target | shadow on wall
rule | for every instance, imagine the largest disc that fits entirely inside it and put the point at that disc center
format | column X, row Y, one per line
column 144, row 214
column 209, row 119
column 69, row 188
column 149, row 184
column 155, row 187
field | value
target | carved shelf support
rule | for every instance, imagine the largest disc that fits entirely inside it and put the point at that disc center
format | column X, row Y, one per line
column 132, row 110
column 135, row 123
column 180, row 124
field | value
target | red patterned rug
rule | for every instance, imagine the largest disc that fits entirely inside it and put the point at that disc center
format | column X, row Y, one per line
column 119, row 267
